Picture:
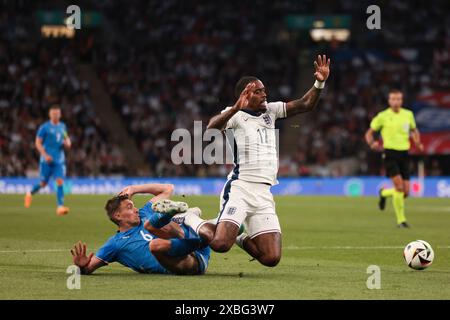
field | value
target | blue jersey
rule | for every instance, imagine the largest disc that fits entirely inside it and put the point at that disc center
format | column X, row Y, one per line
column 131, row 248
column 53, row 136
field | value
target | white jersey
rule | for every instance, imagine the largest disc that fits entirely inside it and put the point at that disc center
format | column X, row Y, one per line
column 255, row 144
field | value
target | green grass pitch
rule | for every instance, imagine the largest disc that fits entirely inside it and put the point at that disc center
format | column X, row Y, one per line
column 328, row 243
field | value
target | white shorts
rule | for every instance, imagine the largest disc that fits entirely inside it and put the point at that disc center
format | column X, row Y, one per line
column 249, row 203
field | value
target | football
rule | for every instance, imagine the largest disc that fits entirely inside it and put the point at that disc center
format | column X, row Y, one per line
column 418, row 255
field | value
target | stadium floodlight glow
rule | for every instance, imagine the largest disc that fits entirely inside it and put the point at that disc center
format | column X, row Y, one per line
column 57, row 31
column 319, row 24
column 320, row 34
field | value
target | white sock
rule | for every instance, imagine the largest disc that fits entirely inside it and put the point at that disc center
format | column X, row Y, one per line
column 194, row 221
column 240, row 240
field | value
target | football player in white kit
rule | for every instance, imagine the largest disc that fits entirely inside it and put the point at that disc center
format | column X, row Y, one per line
column 246, row 197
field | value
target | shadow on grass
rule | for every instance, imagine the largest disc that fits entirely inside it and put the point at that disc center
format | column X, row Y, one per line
column 208, row 275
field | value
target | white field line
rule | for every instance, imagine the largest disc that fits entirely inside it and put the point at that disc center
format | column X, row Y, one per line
column 290, row 247
column 350, row 247
column 365, row 205
column 35, row 251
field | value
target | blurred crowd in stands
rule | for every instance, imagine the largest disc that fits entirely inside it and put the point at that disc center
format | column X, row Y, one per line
column 172, row 62
column 33, row 76
column 187, row 67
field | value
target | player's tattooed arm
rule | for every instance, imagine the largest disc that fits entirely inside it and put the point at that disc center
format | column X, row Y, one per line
column 220, row 121
column 305, row 104
column 309, row 101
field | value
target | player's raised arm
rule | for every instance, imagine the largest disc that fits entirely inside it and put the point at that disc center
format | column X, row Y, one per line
column 87, row 264
column 220, row 121
column 309, row 101
column 159, row 190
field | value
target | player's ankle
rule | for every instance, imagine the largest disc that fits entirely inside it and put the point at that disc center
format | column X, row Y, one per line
column 240, row 240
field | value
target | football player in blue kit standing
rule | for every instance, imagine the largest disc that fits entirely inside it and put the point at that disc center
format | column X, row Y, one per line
column 51, row 139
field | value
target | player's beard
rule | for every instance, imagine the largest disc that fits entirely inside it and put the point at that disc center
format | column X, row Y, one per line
column 263, row 106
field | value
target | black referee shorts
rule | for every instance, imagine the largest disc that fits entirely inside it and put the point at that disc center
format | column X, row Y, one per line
column 396, row 163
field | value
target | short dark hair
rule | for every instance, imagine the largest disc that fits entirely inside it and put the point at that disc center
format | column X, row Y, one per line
column 242, row 83
column 54, row 106
column 395, row 91
column 113, row 204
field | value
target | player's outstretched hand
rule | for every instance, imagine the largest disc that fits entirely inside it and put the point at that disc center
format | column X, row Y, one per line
column 245, row 96
column 79, row 255
column 322, row 67
column 129, row 191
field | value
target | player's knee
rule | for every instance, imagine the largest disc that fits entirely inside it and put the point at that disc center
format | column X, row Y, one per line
column 270, row 260
column 43, row 184
column 170, row 188
column 59, row 182
column 221, row 245
column 156, row 246
column 207, row 234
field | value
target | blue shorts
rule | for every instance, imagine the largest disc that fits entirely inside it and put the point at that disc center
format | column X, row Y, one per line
column 202, row 256
column 47, row 170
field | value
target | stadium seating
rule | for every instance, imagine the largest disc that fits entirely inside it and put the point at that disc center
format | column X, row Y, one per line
column 172, row 63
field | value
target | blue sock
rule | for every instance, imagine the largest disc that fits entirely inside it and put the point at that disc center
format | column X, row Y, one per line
column 159, row 220
column 182, row 247
column 36, row 188
column 60, row 195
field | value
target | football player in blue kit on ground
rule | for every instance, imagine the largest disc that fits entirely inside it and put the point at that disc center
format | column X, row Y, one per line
column 51, row 139
column 148, row 239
